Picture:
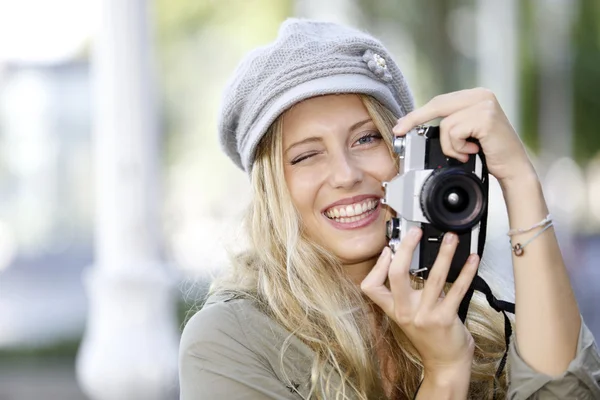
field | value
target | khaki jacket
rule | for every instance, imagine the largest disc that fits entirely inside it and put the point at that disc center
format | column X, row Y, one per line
column 230, row 350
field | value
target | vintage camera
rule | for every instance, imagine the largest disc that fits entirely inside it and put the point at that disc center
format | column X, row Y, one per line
column 437, row 194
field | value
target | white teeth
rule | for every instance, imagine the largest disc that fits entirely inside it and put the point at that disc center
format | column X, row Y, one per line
column 350, row 211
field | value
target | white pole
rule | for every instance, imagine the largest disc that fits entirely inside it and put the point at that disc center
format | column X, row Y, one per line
column 497, row 53
column 130, row 345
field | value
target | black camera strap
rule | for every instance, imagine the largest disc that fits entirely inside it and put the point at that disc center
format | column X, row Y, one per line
column 481, row 285
column 502, row 306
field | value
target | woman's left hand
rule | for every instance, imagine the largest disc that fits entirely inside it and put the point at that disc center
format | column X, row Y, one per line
column 473, row 113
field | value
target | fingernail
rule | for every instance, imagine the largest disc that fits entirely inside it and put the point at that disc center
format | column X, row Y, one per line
column 472, row 259
column 413, row 232
column 449, row 238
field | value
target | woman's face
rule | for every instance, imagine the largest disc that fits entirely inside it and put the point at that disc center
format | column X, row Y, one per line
column 335, row 161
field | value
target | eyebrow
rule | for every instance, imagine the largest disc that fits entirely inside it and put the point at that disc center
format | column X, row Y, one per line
column 318, row 139
column 359, row 124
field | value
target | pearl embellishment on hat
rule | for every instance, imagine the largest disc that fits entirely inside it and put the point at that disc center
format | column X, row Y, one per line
column 379, row 60
column 377, row 65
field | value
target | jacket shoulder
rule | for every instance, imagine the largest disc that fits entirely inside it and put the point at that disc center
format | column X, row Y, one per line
column 236, row 333
column 218, row 323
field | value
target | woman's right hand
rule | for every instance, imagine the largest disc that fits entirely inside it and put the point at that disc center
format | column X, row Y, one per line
column 427, row 317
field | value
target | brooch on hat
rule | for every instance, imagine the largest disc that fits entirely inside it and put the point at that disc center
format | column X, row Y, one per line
column 377, row 65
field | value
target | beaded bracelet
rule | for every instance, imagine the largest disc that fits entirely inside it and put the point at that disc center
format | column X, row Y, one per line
column 519, row 248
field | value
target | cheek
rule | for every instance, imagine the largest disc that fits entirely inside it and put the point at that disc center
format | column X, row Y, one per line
column 303, row 188
column 383, row 167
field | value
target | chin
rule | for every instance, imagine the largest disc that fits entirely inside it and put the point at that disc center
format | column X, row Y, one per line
column 360, row 252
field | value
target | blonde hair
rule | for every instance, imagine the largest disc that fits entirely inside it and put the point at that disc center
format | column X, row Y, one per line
column 303, row 287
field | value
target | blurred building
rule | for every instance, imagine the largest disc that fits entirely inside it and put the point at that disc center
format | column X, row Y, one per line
column 45, row 201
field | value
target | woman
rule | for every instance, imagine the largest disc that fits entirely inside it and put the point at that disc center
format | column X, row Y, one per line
column 317, row 307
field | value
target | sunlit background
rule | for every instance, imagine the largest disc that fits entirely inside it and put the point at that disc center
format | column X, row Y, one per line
column 541, row 57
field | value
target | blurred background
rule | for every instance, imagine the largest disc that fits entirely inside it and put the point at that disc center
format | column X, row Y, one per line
column 542, row 59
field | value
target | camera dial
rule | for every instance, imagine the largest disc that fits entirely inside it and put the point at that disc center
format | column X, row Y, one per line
column 400, row 146
column 392, row 227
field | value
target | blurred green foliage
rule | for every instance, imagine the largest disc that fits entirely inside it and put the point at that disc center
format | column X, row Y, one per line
column 446, row 70
column 586, row 80
column 252, row 22
column 442, row 68
column 529, row 77
column 197, row 37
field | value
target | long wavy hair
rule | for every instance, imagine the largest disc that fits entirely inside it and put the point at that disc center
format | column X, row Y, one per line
column 304, row 288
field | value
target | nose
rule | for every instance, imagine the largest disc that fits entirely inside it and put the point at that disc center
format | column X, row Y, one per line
column 344, row 171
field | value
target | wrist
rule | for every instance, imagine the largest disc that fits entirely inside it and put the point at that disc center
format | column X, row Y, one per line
column 523, row 190
column 525, row 202
column 446, row 383
column 446, row 377
column 526, row 179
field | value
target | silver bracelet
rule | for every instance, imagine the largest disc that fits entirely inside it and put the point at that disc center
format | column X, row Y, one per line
column 543, row 222
column 519, row 248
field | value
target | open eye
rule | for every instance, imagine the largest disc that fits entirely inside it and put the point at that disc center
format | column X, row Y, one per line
column 370, row 137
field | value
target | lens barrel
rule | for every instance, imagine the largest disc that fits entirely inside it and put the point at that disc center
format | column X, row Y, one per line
column 453, row 199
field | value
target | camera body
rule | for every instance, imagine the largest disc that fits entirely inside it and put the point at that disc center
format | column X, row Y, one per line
column 438, row 194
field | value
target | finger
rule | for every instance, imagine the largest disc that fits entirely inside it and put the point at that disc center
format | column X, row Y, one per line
column 374, row 283
column 460, row 145
column 460, row 286
column 456, row 129
column 446, row 143
column 398, row 273
column 442, row 106
column 439, row 271
column 441, row 297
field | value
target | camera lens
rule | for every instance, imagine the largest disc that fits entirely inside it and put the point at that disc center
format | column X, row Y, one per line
column 456, row 199
column 453, row 199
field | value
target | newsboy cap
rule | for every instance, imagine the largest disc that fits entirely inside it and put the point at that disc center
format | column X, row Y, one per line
column 308, row 58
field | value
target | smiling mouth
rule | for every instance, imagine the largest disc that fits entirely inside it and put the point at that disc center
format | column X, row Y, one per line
column 352, row 212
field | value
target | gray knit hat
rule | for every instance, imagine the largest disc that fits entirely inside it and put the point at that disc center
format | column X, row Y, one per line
column 308, row 58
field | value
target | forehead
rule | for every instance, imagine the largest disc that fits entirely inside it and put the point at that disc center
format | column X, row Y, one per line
column 335, row 111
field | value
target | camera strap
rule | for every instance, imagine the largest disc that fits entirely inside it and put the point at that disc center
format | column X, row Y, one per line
column 481, row 285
